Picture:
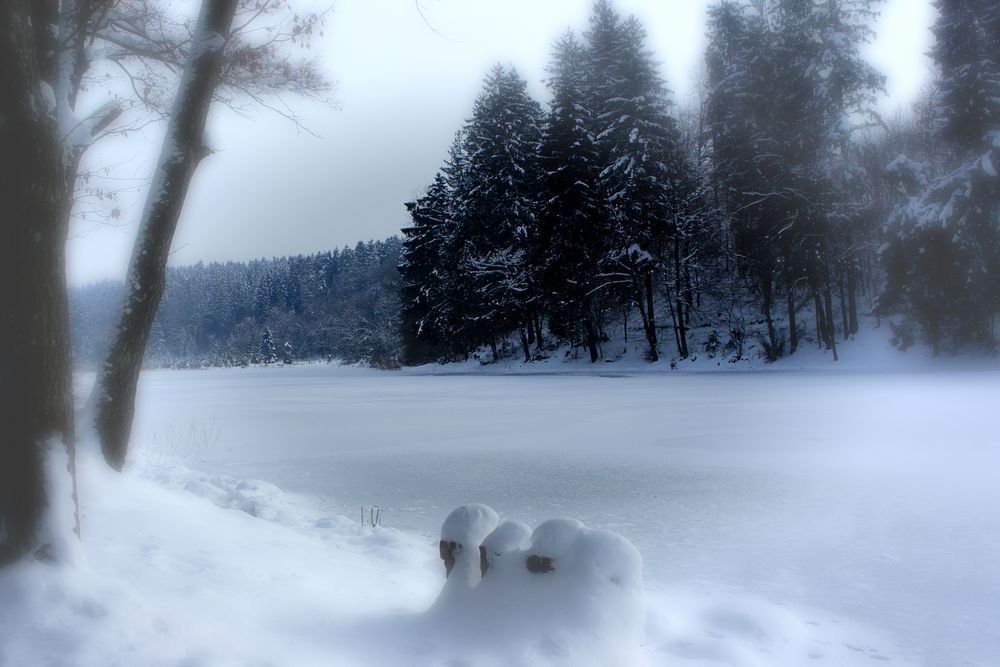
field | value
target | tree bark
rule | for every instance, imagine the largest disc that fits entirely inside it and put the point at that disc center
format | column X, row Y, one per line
column 828, row 294
column 650, row 321
column 843, row 307
column 673, row 320
column 793, row 333
column 820, row 320
column 591, row 328
column 772, row 336
column 831, row 327
column 36, row 405
column 537, row 321
column 682, row 347
column 182, row 151
column 689, row 298
column 852, row 299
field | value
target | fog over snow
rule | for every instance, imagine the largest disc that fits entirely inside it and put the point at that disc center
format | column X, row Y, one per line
column 783, row 518
column 616, row 398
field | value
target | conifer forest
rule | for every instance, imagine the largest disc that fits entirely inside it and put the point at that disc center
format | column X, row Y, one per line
column 775, row 210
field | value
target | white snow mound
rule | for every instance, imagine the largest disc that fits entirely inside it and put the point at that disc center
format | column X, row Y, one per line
column 566, row 595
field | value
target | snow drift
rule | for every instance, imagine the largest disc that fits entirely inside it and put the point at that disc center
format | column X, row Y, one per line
column 564, row 592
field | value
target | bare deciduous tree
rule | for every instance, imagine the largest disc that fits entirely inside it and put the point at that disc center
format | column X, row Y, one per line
column 50, row 53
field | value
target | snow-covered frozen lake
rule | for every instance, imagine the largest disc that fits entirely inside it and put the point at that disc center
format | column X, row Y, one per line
column 874, row 497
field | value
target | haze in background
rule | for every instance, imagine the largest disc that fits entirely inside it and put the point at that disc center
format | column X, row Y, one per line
column 405, row 80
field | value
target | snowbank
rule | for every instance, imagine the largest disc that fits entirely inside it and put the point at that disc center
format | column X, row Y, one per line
column 183, row 568
column 872, row 349
column 563, row 594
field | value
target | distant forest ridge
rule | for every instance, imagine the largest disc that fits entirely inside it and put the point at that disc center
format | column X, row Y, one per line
column 342, row 303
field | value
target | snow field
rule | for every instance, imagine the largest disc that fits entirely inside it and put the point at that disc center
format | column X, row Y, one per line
column 184, row 568
column 783, row 519
column 869, row 497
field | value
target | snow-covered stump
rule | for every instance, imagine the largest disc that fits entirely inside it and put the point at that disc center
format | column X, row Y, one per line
column 563, row 591
column 461, row 536
column 508, row 539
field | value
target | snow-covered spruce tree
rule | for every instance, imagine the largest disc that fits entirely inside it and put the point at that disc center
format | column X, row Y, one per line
column 496, row 209
column 942, row 249
column 736, row 116
column 966, row 53
column 436, row 294
column 422, row 272
column 573, row 229
column 646, row 180
column 267, row 351
column 827, row 81
column 786, row 77
column 37, row 480
column 702, row 276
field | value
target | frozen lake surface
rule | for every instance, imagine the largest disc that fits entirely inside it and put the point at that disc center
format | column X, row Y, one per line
column 874, row 497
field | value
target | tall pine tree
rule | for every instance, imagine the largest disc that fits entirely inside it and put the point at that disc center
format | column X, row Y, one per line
column 574, row 235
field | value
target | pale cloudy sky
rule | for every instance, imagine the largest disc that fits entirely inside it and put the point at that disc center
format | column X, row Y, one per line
column 403, row 89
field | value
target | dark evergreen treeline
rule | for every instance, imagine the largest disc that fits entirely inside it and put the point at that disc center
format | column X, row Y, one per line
column 341, row 304
column 774, row 211
column 559, row 217
column 942, row 249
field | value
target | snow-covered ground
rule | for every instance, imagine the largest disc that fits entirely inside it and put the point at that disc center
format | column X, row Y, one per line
column 783, row 518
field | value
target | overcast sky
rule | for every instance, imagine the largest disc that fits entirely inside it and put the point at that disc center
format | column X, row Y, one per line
column 403, row 89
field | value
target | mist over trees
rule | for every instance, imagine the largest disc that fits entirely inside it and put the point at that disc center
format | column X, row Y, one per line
column 584, row 203
column 942, row 247
column 342, row 304
column 52, row 112
column 772, row 213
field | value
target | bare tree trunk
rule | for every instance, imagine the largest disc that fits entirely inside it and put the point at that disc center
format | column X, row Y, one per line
column 793, row 333
column 689, row 297
column 638, row 294
column 183, row 149
column 772, row 336
column 828, row 293
column 537, row 322
column 820, row 319
column 36, row 405
column 682, row 347
column 831, row 327
column 650, row 320
column 843, row 306
column 852, row 299
column 673, row 320
column 591, row 341
column 590, row 327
